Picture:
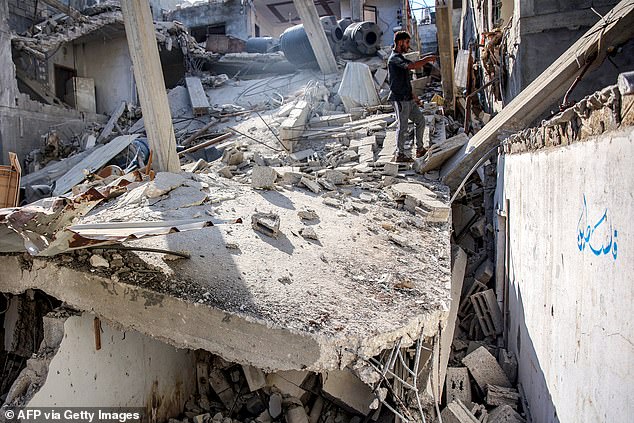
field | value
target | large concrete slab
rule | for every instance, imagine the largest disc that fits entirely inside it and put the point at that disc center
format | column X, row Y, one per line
column 371, row 277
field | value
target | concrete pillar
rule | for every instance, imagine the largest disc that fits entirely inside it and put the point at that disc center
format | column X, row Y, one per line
column 316, row 36
column 148, row 73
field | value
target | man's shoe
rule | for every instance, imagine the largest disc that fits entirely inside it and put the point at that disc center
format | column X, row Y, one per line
column 401, row 158
column 420, row 152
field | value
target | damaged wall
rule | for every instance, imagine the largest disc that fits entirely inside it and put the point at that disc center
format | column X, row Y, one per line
column 232, row 14
column 547, row 29
column 570, row 289
column 138, row 370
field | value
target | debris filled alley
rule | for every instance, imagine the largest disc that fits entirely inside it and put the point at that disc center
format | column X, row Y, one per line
column 207, row 214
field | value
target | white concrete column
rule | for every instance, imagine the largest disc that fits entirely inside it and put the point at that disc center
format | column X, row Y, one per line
column 316, row 36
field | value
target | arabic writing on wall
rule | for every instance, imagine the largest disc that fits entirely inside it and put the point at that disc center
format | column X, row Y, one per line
column 599, row 237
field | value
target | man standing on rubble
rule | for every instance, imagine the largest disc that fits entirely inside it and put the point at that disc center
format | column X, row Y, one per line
column 401, row 93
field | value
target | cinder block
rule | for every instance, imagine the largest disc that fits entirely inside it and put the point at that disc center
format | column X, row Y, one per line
column 458, row 385
column 505, row 414
column 346, row 389
column 488, row 312
column 263, row 177
column 457, row 412
column 484, row 273
column 289, row 382
column 485, row 369
column 255, row 377
column 497, row 395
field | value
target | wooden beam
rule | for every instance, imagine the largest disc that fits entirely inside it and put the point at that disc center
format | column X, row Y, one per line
column 316, row 35
column 615, row 28
column 148, row 74
column 197, row 96
column 444, row 9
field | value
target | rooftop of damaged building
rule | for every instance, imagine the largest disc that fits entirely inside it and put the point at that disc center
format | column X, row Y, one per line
column 313, row 258
column 103, row 21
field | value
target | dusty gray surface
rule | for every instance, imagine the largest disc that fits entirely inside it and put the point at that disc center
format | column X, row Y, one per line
column 355, row 279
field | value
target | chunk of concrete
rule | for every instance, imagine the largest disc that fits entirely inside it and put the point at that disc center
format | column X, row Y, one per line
column 458, row 385
column 508, row 362
column 289, row 382
column 163, row 183
column 390, row 169
column 307, row 215
column 296, row 415
column 266, row 223
column 484, row 272
column 505, row 414
column 335, row 177
column 457, row 412
column 347, row 390
column 311, row 185
column 263, row 177
column 98, row 261
column 182, row 197
column 485, row 369
column 308, row 233
column 256, row 379
column 498, row 395
column 302, row 155
column 275, row 405
column 202, row 418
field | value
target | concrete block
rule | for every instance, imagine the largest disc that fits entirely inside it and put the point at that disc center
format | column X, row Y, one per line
column 505, row 414
column 346, row 389
column 332, row 120
column 302, row 155
column 457, row 412
column 293, row 126
column 266, row 223
column 296, row 415
column 255, row 377
column 315, row 412
column 263, row 177
column 484, row 272
column 485, row 369
column 497, row 395
column 391, row 169
column 458, row 385
column 53, row 327
column 488, row 312
column 508, row 362
column 311, row 185
column 334, row 176
column 289, row 382
column 221, row 387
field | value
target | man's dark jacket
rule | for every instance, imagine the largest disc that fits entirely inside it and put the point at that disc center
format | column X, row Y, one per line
column 399, row 77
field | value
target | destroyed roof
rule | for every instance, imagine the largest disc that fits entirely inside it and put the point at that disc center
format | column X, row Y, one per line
column 103, row 23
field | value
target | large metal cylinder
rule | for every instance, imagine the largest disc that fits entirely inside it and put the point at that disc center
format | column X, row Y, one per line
column 362, row 37
column 296, row 47
column 261, row 45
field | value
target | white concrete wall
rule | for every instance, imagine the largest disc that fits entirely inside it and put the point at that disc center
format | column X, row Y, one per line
column 386, row 18
column 108, row 63
column 130, row 370
column 571, row 308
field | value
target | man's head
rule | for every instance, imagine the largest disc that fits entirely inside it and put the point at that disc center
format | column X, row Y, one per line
column 401, row 41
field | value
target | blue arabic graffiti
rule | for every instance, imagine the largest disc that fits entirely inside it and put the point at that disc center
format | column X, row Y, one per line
column 600, row 238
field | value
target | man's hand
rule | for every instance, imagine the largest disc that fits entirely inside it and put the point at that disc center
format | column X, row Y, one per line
column 422, row 62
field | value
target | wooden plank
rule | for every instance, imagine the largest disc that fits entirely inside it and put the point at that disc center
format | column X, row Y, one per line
column 107, row 130
column 444, row 9
column 462, row 69
column 148, row 75
column 92, row 163
column 197, row 95
column 316, row 35
column 616, row 28
column 205, row 144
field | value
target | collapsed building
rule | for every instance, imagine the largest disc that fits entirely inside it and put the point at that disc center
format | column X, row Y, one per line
column 288, row 270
